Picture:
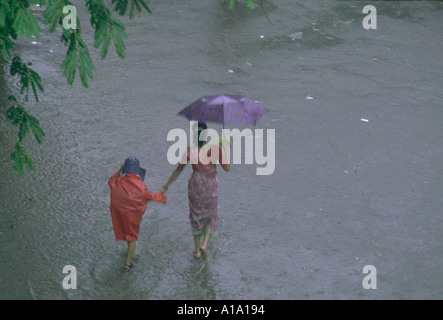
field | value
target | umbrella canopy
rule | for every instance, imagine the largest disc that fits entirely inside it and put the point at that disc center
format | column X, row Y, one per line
column 225, row 109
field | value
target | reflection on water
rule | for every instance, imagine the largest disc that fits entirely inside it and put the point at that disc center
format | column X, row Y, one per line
column 345, row 193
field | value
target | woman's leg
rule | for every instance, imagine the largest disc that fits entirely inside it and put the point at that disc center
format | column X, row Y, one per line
column 204, row 245
column 131, row 250
column 205, row 240
column 197, row 246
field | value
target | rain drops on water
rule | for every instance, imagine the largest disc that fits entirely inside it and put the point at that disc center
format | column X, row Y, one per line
column 34, row 42
column 295, row 35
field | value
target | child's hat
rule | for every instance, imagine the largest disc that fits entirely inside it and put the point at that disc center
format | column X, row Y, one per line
column 132, row 165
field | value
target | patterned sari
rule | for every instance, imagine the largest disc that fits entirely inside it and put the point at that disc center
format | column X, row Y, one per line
column 203, row 190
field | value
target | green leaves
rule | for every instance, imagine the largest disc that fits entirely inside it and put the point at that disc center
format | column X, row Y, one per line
column 110, row 29
column 53, row 14
column 122, row 5
column 4, row 12
column 15, row 20
column 39, row 2
column 22, row 21
column 28, row 76
column 107, row 28
column 232, row 3
column 77, row 57
column 250, row 4
column 5, row 44
column 20, row 158
column 18, row 116
column 5, row 30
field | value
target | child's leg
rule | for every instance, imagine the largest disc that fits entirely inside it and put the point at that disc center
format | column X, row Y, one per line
column 131, row 250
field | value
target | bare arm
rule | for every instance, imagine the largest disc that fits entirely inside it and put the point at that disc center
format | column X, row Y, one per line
column 225, row 161
column 177, row 170
column 172, row 178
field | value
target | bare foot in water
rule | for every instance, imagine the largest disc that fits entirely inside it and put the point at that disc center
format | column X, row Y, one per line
column 204, row 255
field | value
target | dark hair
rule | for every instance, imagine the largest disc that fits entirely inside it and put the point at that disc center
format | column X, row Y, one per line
column 201, row 126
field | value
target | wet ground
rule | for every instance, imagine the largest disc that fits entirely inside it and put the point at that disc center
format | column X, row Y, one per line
column 357, row 116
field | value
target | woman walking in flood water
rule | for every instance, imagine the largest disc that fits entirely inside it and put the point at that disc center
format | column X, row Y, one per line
column 202, row 189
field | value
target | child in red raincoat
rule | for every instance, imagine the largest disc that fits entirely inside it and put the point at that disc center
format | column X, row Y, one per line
column 129, row 200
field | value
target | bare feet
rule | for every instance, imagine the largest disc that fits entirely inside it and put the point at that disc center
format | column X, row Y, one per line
column 197, row 254
column 203, row 253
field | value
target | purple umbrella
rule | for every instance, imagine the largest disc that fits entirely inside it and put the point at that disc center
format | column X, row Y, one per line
column 225, row 109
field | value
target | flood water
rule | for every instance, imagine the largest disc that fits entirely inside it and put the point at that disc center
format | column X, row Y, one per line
column 358, row 156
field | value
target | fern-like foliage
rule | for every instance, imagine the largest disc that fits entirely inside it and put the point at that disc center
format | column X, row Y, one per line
column 77, row 58
column 233, row 3
column 107, row 28
column 27, row 76
column 122, row 5
column 18, row 116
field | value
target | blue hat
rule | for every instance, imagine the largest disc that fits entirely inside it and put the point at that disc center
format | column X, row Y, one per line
column 132, row 165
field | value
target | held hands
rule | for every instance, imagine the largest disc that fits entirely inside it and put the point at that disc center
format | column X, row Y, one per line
column 164, row 191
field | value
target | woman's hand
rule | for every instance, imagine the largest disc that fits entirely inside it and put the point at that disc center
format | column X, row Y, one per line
column 224, row 142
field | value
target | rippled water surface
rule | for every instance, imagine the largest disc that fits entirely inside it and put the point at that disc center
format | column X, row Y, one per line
column 345, row 193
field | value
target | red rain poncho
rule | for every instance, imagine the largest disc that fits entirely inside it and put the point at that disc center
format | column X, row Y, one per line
column 129, row 200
